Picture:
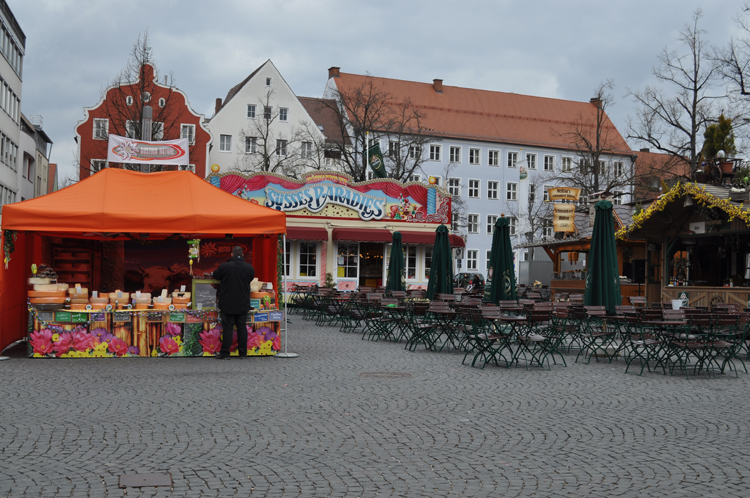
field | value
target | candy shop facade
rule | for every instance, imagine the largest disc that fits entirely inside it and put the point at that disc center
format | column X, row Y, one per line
column 339, row 232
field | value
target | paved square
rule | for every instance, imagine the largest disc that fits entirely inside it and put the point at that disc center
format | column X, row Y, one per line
column 345, row 419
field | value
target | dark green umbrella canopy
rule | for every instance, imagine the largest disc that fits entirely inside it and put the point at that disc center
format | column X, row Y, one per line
column 441, row 270
column 501, row 272
column 396, row 265
column 603, row 277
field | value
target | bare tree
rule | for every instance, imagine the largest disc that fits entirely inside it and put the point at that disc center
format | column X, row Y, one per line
column 672, row 122
column 369, row 109
column 533, row 213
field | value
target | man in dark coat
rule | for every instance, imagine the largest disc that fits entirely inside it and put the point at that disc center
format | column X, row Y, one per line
column 234, row 300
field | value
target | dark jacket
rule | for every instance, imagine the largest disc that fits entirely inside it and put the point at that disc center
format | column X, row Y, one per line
column 234, row 291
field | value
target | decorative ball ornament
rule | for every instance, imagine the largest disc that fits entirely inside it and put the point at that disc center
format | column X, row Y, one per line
column 721, row 154
column 433, row 180
column 215, row 168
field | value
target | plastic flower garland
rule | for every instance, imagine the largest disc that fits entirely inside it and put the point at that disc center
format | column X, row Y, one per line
column 698, row 193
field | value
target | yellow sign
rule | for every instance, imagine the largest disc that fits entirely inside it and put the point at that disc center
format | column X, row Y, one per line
column 565, row 218
column 564, row 194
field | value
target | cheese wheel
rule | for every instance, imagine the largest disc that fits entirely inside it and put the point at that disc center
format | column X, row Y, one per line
column 78, row 307
column 51, row 287
column 81, row 300
column 60, row 294
column 83, row 290
column 47, row 300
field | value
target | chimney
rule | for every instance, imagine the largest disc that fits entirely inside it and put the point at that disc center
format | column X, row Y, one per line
column 333, row 72
column 437, row 85
column 218, row 106
column 597, row 102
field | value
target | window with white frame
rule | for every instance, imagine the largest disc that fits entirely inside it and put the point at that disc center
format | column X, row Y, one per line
column 162, row 102
column 410, row 262
column 251, row 145
column 101, row 129
column 427, row 261
column 583, row 200
column 370, row 175
column 492, row 189
column 491, row 220
column 308, row 259
column 549, row 163
column 454, row 187
column 287, row 259
column 617, row 197
column 305, row 150
column 372, row 142
column 511, row 191
column 567, row 164
column 487, row 264
column 188, row 131
column 348, row 260
column 493, row 159
column 157, row 130
column 531, row 160
column 547, row 228
column 532, row 192
column 129, row 100
column 512, row 225
column 251, row 111
column 471, row 259
column 267, row 111
column 225, row 143
column 268, row 81
column 546, row 193
column 415, row 151
column 525, row 255
column 474, row 155
column 130, row 129
column 434, row 152
column 281, row 147
column 414, row 178
column 283, row 114
column 98, row 165
column 473, row 223
column 619, row 169
column 455, row 224
column 512, row 159
column 602, row 167
column 394, row 148
column 474, row 189
column 455, row 154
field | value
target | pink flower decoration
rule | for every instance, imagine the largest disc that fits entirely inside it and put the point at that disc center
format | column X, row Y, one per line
column 210, row 341
column 254, row 340
column 169, row 345
column 235, row 342
column 277, row 343
column 118, row 346
column 64, row 343
column 83, row 341
column 173, row 329
column 42, row 341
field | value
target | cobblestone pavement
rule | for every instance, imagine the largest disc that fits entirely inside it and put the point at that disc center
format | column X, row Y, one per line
column 345, row 419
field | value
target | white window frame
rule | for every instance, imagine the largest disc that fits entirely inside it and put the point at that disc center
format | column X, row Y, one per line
column 269, row 80
column 283, row 114
column 454, row 186
column 567, row 164
column 619, row 168
column 338, row 246
column 157, row 131
column 492, row 189
column 225, row 143
column 99, row 121
column 425, row 265
column 511, row 194
column 512, row 224
column 617, row 196
column 472, row 221
column 288, row 259
column 435, row 152
column 493, row 158
column 191, row 133
column 267, row 112
column 549, row 163
column 414, row 178
column 298, row 261
column 281, row 147
column 129, row 129
column 532, row 193
column 409, row 252
column 306, row 150
column 512, row 159
column 129, row 100
column 472, row 256
column 251, row 145
column 491, row 220
column 102, row 162
column 455, row 222
column 394, row 148
column 454, row 153
column 162, row 102
column 474, row 188
column 545, row 195
column 251, row 111
column 415, row 151
column 475, row 156
column 487, row 263
column 548, row 228
column 531, row 160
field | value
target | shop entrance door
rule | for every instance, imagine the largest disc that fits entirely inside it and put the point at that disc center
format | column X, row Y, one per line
column 371, row 264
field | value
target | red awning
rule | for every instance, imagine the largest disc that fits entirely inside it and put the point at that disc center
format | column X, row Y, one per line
column 456, row 241
column 306, row 233
column 362, row 234
column 417, row 237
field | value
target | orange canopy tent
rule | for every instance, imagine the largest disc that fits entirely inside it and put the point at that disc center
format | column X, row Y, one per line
column 118, row 204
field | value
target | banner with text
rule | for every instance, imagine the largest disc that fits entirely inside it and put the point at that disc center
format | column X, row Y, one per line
column 565, row 218
column 564, row 194
column 128, row 150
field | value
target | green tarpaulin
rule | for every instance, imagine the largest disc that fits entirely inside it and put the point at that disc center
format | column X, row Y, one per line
column 441, row 270
column 396, row 265
column 602, row 275
column 501, row 276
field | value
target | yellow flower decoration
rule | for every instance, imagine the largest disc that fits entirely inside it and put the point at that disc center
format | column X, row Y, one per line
column 55, row 337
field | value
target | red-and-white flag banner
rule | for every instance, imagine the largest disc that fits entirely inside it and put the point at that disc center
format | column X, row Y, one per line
column 128, row 150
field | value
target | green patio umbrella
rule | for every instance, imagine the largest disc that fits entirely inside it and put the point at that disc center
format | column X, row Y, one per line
column 396, row 265
column 441, row 270
column 602, row 275
column 501, row 272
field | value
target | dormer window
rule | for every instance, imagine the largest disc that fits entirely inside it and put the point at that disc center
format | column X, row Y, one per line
column 268, row 81
column 129, row 100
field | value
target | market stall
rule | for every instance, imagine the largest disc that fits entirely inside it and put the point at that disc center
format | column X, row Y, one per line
column 94, row 236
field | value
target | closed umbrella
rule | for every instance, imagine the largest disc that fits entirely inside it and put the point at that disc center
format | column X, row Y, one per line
column 603, row 277
column 441, row 270
column 501, row 272
column 396, row 265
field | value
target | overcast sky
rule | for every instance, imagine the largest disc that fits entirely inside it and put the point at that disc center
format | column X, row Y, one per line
column 545, row 48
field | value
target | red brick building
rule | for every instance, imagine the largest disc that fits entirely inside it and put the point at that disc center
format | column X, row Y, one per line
column 120, row 113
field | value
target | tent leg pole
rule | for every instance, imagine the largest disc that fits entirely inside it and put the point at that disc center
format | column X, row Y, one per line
column 285, row 354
